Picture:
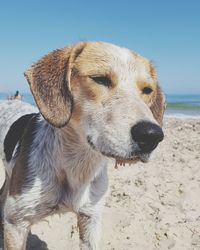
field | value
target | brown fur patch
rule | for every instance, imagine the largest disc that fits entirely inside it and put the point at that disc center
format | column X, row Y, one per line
column 141, row 85
column 158, row 105
column 156, row 99
column 152, row 71
column 96, row 59
column 49, row 82
column 90, row 90
column 124, row 162
column 83, row 221
column 76, row 114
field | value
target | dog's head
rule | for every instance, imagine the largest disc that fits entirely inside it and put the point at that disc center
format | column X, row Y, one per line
column 111, row 92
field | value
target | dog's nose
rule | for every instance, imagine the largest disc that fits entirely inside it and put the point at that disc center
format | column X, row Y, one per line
column 147, row 135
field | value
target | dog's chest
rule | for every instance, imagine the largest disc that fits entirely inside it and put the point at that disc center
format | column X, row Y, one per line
column 79, row 195
column 74, row 200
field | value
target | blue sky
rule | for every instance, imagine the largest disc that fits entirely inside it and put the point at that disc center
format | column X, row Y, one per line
column 167, row 32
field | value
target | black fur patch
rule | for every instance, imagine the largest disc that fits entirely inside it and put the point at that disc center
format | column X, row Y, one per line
column 14, row 135
column 20, row 174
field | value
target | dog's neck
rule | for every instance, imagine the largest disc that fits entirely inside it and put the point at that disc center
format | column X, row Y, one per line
column 78, row 159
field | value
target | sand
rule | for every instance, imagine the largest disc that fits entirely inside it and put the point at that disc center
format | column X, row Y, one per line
column 150, row 206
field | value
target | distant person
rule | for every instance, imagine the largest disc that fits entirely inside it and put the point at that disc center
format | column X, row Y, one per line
column 17, row 96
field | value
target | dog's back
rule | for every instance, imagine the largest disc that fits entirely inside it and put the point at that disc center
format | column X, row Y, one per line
column 14, row 115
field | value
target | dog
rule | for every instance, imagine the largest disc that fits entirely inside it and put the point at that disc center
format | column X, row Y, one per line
column 96, row 101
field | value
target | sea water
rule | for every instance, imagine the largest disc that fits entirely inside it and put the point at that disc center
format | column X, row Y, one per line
column 183, row 105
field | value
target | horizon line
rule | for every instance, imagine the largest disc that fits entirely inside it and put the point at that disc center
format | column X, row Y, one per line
column 29, row 92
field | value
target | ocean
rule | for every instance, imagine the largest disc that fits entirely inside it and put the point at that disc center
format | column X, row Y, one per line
column 183, row 105
column 177, row 105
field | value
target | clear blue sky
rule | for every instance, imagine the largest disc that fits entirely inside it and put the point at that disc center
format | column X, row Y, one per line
column 165, row 31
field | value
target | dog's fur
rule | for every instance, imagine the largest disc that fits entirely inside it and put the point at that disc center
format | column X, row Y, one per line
column 89, row 95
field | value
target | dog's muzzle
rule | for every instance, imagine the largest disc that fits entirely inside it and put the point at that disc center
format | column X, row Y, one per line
column 147, row 135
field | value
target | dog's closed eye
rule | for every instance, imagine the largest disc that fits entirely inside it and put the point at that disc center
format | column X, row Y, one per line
column 103, row 80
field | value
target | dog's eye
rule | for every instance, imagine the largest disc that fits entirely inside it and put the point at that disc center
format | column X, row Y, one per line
column 147, row 90
column 103, row 80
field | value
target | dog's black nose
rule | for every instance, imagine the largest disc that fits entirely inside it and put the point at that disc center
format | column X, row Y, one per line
column 147, row 135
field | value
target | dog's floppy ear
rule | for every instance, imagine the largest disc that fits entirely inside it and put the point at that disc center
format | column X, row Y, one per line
column 49, row 81
column 158, row 105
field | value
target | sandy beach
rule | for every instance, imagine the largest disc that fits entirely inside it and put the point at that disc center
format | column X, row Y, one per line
column 149, row 206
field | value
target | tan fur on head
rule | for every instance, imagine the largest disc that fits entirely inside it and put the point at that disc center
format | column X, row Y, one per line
column 49, row 81
column 56, row 76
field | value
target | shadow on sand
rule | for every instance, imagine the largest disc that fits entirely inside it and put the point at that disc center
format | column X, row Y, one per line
column 33, row 242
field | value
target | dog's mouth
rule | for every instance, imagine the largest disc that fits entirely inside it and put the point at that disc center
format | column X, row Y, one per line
column 135, row 157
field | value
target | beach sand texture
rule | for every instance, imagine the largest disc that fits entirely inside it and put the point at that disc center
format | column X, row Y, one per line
column 150, row 206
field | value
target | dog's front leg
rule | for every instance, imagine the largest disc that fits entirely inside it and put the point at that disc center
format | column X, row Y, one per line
column 15, row 235
column 15, row 226
column 89, row 230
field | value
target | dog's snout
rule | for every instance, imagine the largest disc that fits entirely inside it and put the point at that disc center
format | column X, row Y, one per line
column 147, row 135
